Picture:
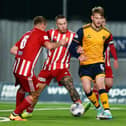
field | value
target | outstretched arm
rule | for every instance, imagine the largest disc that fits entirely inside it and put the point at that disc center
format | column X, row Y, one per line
column 53, row 45
column 76, row 42
column 114, row 54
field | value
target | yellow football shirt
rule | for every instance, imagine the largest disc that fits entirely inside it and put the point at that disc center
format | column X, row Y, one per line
column 93, row 44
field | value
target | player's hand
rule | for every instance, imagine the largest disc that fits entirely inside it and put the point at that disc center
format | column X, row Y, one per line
column 80, row 50
column 63, row 42
column 115, row 64
column 82, row 57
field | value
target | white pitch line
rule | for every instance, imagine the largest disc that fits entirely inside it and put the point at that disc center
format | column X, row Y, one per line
column 48, row 109
column 38, row 109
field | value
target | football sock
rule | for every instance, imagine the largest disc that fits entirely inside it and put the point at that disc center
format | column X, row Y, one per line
column 96, row 93
column 30, row 109
column 92, row 97
column 20, row 96
column 107, row 88
column 25, row 104
column 104, row 98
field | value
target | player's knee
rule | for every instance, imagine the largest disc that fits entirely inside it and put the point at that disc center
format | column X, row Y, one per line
column 35, row 95
column 88, row 91
column 66, row 80
column 31, row 97
column 41, row 86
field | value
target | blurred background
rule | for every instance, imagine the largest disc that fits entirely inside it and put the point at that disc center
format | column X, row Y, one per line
column 16, row 18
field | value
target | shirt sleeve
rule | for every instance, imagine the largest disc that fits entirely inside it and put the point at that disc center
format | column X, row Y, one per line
column 113, row 50
column 108, row 41
column 48, row 33
column 45, row 38
column 77, row 40
column 17, row 43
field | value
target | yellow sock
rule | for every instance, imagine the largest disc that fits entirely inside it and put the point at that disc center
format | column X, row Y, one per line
column 92, row 97
column 104, row 100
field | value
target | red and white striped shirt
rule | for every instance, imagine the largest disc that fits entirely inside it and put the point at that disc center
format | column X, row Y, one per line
column 59, row 58
column 29, row 48
column 110, row 48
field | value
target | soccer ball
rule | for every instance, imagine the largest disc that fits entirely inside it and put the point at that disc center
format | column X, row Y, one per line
column 77, row 109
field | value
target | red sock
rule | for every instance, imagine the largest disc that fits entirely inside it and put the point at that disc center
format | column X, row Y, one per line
column 107, row 88
column 20, row 96
column 96, row 93
column 25, row 103
column 30, row 109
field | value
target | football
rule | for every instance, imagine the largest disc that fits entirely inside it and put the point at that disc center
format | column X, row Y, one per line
column 77, row 109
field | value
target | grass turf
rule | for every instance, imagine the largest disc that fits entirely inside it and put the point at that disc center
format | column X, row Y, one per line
column 63, row 117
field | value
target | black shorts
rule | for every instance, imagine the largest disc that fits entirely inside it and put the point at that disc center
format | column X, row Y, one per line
column 92, row 70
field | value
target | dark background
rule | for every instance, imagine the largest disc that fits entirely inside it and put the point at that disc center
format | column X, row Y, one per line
column 76, row 9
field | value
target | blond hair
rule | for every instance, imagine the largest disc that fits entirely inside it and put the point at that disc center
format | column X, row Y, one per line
column 98, row 9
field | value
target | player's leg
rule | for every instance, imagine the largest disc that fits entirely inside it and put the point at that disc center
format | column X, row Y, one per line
column 100, row 83
column 67, row 82
column 108, row 78
column 26, row 83
column 35, row 95
column 20, row 96
column 64, row 78
column 103, row 96
column 87, row 74
column 108, row 83
column 44, row 79
column 86, row 84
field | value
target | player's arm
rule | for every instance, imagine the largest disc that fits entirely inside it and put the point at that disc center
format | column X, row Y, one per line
column 107, row 41
column 52, row 45
column 114, row 54
column 76, row 42
column 14, row 48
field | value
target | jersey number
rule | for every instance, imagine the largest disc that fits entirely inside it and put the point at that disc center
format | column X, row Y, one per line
column 24, row 41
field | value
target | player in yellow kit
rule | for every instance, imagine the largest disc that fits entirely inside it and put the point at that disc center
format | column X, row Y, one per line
column 94, row 39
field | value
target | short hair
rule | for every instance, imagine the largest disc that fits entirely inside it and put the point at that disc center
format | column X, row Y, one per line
column 59, row 17
column 98, row 9
column 39, row 19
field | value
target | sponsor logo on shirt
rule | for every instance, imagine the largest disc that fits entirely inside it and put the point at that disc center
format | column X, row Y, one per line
column 89, row 36
column 42, row 79
column 46, row 37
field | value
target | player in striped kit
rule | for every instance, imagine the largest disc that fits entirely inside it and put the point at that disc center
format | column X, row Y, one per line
column 27, row 51
column 108, row 69
column 58, row 62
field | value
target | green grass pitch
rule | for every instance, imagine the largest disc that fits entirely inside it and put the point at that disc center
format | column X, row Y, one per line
column 54, row 114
